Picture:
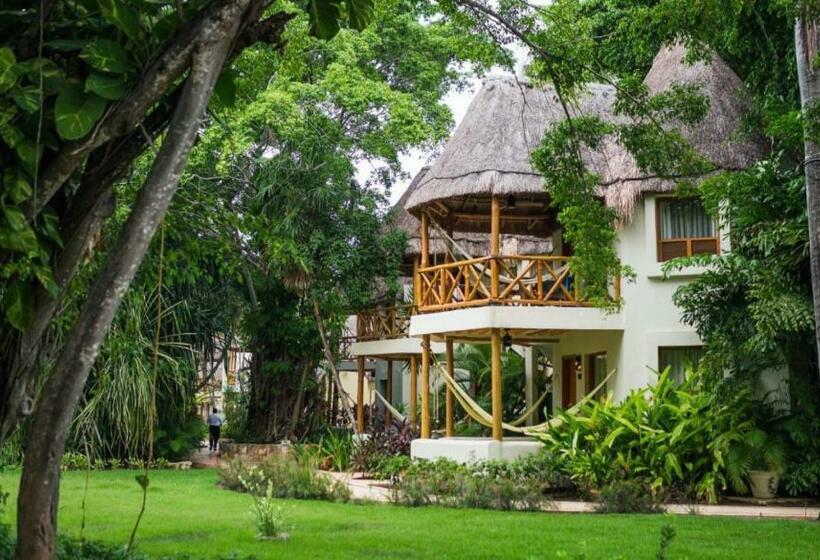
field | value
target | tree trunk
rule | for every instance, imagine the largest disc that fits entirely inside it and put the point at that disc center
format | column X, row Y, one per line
column 331, row 361
column 806, row 37
column 39, row 487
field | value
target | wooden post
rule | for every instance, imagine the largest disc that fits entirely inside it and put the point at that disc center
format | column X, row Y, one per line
column 416, row 283
column 425, row 240
column 449, row 430
column 360, row 396
column 617, row 286
column 389, row 391
column 414, row 391
column 425, row 387
column 496, row 383
column 495, row 244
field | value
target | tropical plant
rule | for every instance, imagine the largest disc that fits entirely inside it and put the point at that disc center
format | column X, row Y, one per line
column 381, row 444
column 476, row 359
column 337, row 450
column 270, row 518
column 675, row 439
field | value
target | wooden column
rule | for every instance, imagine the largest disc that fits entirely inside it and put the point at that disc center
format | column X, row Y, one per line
column 449, row 428
column 495, row 339
column 425, row 240
column 495, row 244
column 360, row 396
column 425, row 387
column 416, row 283
column 414, row 391
column 389, row 391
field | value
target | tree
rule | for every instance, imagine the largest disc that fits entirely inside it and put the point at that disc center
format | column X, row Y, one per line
column 159, row 69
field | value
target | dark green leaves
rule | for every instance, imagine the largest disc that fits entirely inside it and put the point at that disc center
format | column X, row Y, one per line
column 76, row 112
column 326, row 16
column 108, row 56
column 142, row 480
column 122, row 16
column 8, row 70
column 107, row 87
column 18, row 304
column 359, row 13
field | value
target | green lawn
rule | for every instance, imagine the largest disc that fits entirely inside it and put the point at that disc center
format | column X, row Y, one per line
column 188, row 513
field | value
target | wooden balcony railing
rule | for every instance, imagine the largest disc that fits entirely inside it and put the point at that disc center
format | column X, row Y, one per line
column 507, row 280
column 383, row 322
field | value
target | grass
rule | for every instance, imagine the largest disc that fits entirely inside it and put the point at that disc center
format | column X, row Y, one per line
column 187, row 513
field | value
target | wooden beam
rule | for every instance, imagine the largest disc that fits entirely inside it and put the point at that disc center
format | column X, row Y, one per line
column 449, row 427
column 495, row 244
column 425, row 387
column 425, row 239
column 495, row 340
column 360, row 396
column 389, row 391
column 414, row 391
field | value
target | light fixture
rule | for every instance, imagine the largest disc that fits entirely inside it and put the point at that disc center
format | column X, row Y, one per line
column 506, row 341
column 510, row 201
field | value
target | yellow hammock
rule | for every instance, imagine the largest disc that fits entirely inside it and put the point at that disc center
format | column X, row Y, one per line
column 485, row 419
column 390, row 408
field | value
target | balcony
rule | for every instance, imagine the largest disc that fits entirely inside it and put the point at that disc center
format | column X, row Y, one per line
column 383, row 323
column 516, row 280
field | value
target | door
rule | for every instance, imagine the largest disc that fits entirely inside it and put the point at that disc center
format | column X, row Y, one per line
column 569, row 375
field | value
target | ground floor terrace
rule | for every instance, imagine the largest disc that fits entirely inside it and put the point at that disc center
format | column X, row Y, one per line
column 187, row 513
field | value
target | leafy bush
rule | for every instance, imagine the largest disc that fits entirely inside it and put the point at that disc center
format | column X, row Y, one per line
column 489, row 485
column 270, row 519
column 674, row 439
column 381, row 445
column 72, row 461
column 391, row 468
column 288, row 477
column 337, row 450
column 176, row 441
column 627, row 496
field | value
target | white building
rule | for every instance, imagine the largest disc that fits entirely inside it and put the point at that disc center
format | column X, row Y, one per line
column 484, row 183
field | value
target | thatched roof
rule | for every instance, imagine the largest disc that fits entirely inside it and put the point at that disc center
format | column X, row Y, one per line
column 489, row 152
column 476, row 244
column 719, row 136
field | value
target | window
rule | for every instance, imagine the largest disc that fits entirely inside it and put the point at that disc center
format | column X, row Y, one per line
column 596, row 372
column 678, row 359
column 685, row 229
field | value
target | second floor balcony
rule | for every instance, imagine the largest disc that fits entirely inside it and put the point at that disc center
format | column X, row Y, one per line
column 516, row 280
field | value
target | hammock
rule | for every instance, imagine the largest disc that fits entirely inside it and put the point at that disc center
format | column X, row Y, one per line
column 391, row 409
column 503, row 277
column 485, row 419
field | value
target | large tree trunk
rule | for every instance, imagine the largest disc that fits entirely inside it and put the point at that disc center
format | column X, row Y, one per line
column 39, row 488
column 806, row 38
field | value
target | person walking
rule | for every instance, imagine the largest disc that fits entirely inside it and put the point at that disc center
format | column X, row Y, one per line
column 214, row 428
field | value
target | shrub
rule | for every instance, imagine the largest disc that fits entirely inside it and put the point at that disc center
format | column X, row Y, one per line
column 627, row 496
column 488, row 485
column 674, row 439
column 381, row 445
column 337, row 450
column 72, row 461
column 288, row 477
column 270, row 519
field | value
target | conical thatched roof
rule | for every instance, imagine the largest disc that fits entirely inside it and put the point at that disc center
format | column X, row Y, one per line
column 489, row 152
column 719, row 136
column 476, row 244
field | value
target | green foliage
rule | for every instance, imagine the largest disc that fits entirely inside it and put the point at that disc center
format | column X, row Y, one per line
column 627, row 496
column 476, row 358
column 284, row 477
column 115, row 413
column 676, row 440
column 375, row 452
column 337, row 449
column 490, row 485
column 270, row 518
